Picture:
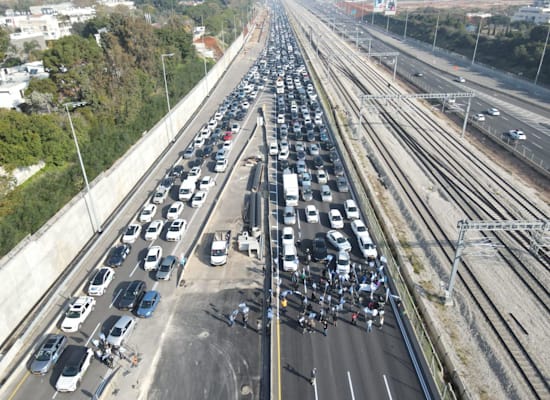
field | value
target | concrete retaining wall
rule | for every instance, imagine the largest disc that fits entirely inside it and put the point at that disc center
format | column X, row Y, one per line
column 30, row 269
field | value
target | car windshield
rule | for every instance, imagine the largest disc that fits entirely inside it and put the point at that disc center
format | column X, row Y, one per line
column 289, row 257
column 340, row 239
column 129, row 295
column 70, row 370
column 116, row 332
column 147, row 304
column 73, row 314
column 165, row 268
column 218, row 252
column 43, row 355
column 98, row 280
column 361, row 228
column 119, row 251
column 151, row 258
column 131, row 230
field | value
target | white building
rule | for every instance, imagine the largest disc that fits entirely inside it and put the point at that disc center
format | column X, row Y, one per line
column 14, row 81
column 536, row 15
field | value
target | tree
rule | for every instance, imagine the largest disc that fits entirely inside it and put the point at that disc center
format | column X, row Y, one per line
column 4, row 43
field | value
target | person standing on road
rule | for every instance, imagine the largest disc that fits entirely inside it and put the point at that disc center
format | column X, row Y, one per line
column 354, row 316
column 284, row 303
column 369, row 325
column 325, row 327
column 381, row 318
column 232, row 317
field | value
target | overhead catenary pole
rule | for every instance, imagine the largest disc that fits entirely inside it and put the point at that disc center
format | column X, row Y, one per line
column 542, row 55
column 90, row 203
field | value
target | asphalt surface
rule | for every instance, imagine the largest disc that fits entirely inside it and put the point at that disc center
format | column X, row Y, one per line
column 531, row 116
column 350, row 362
column 146, row 342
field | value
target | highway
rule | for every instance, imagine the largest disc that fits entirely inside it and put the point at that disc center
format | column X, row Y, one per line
column 153, row 337
column 515, row 114
column 350, row 361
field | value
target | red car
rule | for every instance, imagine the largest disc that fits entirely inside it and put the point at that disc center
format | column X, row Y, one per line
column 228, row 135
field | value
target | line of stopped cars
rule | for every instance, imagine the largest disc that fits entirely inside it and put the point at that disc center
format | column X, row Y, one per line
column 305, row 155
column 213, row 142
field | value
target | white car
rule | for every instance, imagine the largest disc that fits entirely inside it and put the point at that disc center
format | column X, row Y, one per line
column 326, row 194
column 199, row 142
column 245, row 105
column 283, row 144
column 367, row 247
column 221, row 154
column 290, row 258
column 289, row 215
column 221, row 166
column 287, row 236
column 152, row 259
column 175, row 210
column 227, row 145
column 176, row 230
column 206, row 183
column 493, row 111
column 338, row 240
column 218, row 116
column 312, row 215
column 77, row 313
column 314, row 149
column 516, row 134
column 322, row 177
column 186, row 192
column 160, row 195
column 284, row 154
column 147, row 213
column 100, row 281
column 273, row 148
column 460, row 79
column 198, row 199
column 343, row 263
column 281, row 119
column 235, row 128
column 77, row 362
column 194, row 173
column 335, row 218
column 121, row 330
column 154, row 229
column 351, row 209
column 359, row 228
column 131, row 234
column 479, row 117
column 299, row 146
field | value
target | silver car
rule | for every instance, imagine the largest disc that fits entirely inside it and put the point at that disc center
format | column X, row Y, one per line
column 164, row 273
column 48, row 354
column 121, row 330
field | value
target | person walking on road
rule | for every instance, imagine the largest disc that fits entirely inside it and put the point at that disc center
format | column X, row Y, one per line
column 325, row 327
column 354, row 316
column 369, row 325
column 232, row 317
column 313, row 378
column 381, row 318
column 284, row 303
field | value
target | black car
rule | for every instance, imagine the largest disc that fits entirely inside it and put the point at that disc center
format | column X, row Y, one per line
column 132, row 295
column 310, row 136
column 328, row 146
column 167, row 183
column 176, row 171
column 333, row 156
column 207, row 151
column 283, row 164
column 299, row 136
column 338, row 168
column 319, row 249
column 118, row 255
column 318, row 162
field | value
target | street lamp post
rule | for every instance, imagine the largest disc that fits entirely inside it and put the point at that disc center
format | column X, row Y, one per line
column 90, row 203
column 435, row 34
column 542, row 55
column 162, row 56
column 406, row 23
column 477, row 41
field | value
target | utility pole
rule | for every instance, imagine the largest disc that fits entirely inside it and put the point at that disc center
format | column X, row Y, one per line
column 435, row 34
column 406, row 23
column 542, row 55
column 387, row 22
column 477, row 41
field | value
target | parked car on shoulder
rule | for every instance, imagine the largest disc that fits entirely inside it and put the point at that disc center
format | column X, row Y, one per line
column 118, row 255
column 101, row 281
column 131, row 234
column 48, row 354
column 147, row 213
column 148, row 304
column 121, row 330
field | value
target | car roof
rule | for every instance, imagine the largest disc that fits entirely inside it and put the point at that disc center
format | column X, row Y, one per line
column 122, row 321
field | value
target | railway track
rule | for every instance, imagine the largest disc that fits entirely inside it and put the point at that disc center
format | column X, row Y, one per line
column 438, row 154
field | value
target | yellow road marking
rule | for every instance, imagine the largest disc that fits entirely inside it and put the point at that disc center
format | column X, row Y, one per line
column 19, row 385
